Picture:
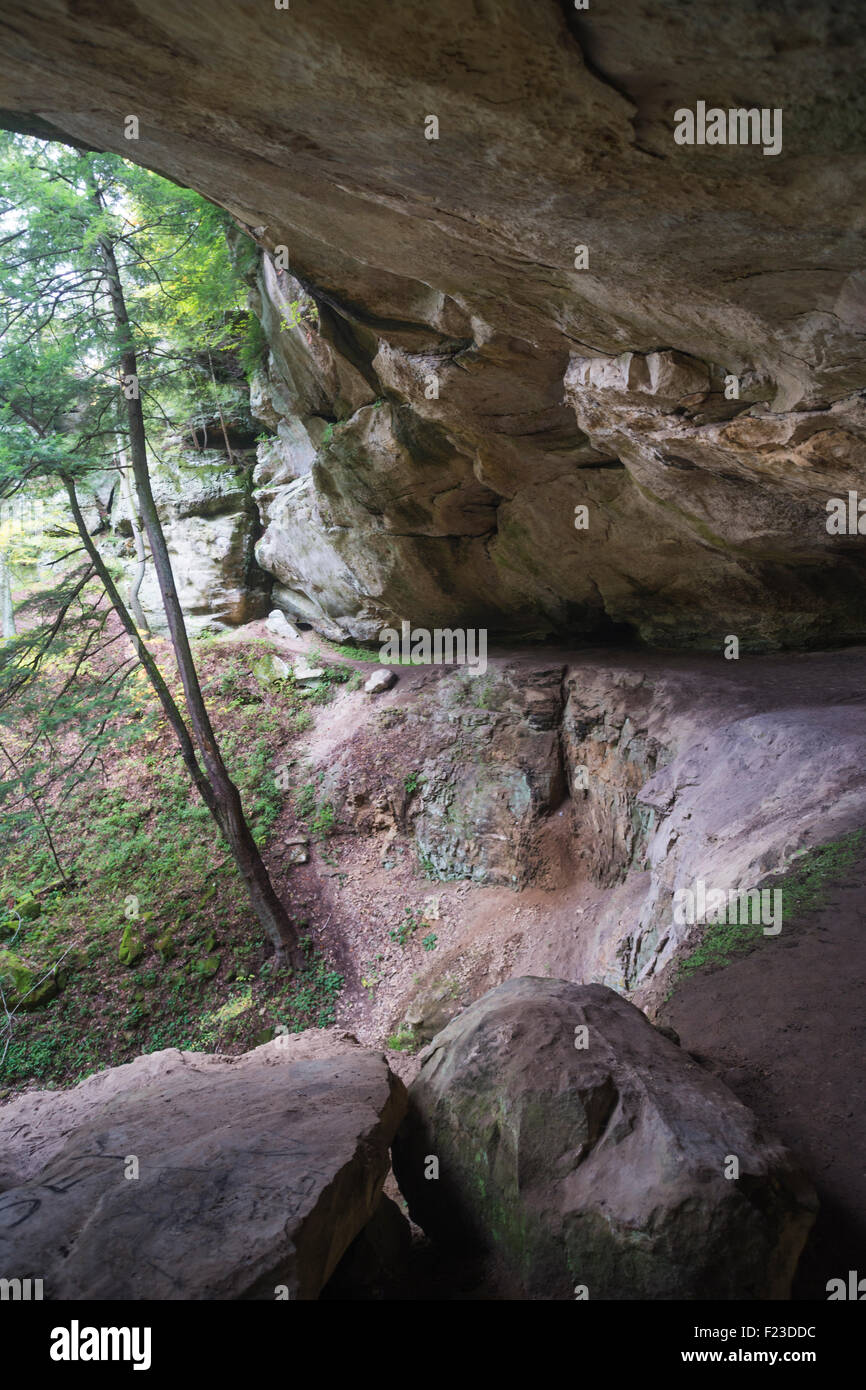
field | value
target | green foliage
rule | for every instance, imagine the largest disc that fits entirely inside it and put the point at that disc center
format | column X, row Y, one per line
column 301, row 312
column 413, row 782
column 720, row 942
column 252, row 347
column 485, row 693
column 804, row 889
column 143, row 833
column 357, row 653
column 61, row 408
column 322, row 824
column 370, row 974
column 305, row 801
column 429, row 941
column 320, row 818
column 308, row 999
column 404, row 1040
column 404, row 930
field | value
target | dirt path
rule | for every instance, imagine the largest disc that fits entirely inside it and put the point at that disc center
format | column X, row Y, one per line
column 785, row 1028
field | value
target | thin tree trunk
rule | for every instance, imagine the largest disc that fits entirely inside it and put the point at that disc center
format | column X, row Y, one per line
column 172, row 713
column 37, row 808
column 267, row 906
column 220, row 410
column 7, row 608
column 138, row 539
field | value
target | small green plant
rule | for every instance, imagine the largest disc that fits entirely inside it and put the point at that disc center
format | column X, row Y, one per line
column 407, row 928
column 484, row 692
column 428, row 868
column 299, row 315
column 413, row 782
column 429, row 941
column 322, row 824
column 305, row 801
column 404, row 1040
column 371, row 977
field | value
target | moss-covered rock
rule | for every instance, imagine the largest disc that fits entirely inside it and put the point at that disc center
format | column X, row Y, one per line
column 577, row 1147
column 22, row 985
column 270, row 668
column 131, row 947
column 206, row 965
column 165, row 945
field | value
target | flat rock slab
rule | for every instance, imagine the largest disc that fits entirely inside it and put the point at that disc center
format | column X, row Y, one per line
column 303, row 672
column 254, row 1172
column 595, row 1171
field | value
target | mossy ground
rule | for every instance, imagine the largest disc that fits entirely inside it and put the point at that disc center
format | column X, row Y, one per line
column 804, row 890
column 147, row 861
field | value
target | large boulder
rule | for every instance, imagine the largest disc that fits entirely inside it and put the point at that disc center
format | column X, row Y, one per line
column 187, row 1176
column 615, row 1170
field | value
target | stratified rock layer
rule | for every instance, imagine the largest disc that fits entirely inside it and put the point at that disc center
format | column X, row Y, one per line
column 189, row 1176
column 446, row 385
column 593, row 1158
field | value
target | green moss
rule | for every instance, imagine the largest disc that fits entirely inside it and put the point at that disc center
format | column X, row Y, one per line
column 804, row 890
column 131, row 948
column 206, row 965
column 357, row 653
column 165, row 945
column 21, row 984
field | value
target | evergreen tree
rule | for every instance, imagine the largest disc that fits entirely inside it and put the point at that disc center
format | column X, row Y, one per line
column 104, row 280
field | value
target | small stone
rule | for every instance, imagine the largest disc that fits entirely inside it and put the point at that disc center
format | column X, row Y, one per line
column 380, row 681
column 297, row 851
column 271, row 668
column 278, row 623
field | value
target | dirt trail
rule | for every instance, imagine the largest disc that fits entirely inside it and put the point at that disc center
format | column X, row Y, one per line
column 785, row 1028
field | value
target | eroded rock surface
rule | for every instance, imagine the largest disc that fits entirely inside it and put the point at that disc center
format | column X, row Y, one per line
column 599, row 1167
column 469, row 765
column 252, row 1172
column 205, row 503
column 444, row 385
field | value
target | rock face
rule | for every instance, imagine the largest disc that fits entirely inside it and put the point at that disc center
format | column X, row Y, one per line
column 595, row 1171
column 253, row 1172
column 548, row 305
column 470, row 766
column 210, row 522
column 684, row 769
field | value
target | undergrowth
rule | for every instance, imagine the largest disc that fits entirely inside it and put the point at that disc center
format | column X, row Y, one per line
column 146, row 865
